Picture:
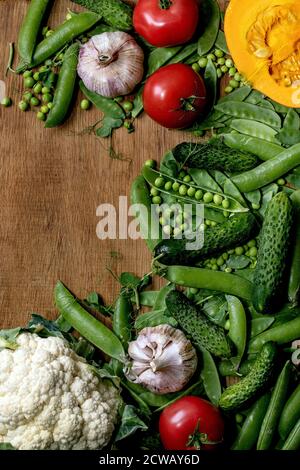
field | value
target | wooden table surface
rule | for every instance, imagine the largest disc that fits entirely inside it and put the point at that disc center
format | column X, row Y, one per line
column 51, row 182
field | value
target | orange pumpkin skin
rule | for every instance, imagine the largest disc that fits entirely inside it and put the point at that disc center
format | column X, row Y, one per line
column 263, row 37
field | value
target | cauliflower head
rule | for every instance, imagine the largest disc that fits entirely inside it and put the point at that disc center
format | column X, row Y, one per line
column 51, row 399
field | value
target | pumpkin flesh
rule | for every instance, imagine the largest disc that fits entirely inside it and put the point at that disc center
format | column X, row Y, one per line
column 263, row 37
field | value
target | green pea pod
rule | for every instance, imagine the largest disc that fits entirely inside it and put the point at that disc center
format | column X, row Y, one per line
column 184, row 54
column 238, row 326
column 148, row 225
column 211, row 12
column 210, row 377
column 65, row 88
column 293, row 440
column 147, row 298
column 270, row 421
column 281, row 334
column 249, row 111
column 88, row 326
column 269, row 171
column 259, row 325
column 290, row 414
column 249, row 432
column 122, row 319
column 29, row 30
column 211, row 81
column 221, row 42
column 259, row 147
column 64, row 34
column 201, row 278
column 240, row 94
column 294, row 280
column 159, row 57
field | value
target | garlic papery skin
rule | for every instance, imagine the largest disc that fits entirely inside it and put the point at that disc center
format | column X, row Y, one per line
column 163, row 359
column 111, row 64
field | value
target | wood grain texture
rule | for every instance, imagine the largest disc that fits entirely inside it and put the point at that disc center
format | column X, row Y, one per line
column 51, row 184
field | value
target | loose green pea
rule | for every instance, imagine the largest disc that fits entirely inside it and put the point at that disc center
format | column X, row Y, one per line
column 228, row 270
column 202, row 62
column 43, row 68
column 225, row 256
column 281, row 182
column 84, row 105
column 29, row 82
column 150, row 163
column 221, row 61
column 255, row 206
column 226, row 214
column 187, row 179
column 50, row 105
column 61, row 56
column 225, row 203
column 208, row 197
column 27, row 73
column 228, row 89
column 215, row 267
column 127, row 106
column 34, row 101
column 44, row 109
column 232, row 71
column 69, row 16
column 229, row 63
column 162, row 221
column 234, row 84
column 238, row 77
column 191, row 192
column 27, row 96
column 220, row 261
column 23, row 106
column 196, row 67
column 168, row 185
column 251, row 243
column 217, row 199
column 213, row 223
column 224, row 69
column 36, row 76
column 239, row 250
column 198, row 195
column 49, row 32
column 239, row 418
column 156, row 200
column 182, row 174
column 159, row 182
column 45, row 90
column 47, row 98
column 175, row 186
column 227, row 325
column 37, row 88
column 219, row 73
column 218, row 53
column 211, row 56
column 207, row 222
column 253, row 252
column 6, row 102
column 41, row 116
column 177, row 231
column 182, row 190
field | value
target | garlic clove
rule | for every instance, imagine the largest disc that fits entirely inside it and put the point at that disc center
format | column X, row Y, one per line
column 111, row 64
column 163, row 359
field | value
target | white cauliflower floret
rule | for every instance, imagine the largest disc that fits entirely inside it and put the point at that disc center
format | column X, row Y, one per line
column 51, row 399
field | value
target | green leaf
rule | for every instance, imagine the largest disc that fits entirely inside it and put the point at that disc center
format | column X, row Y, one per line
column 221, row 42
column 238, row 261
column 211, row 81
column 8, row 338
column 130, row 423
column 169, row 165
column 154, row 318
column 215, row 308
column 210, row 377
column 159, row 57
column 6, row 446
column 108, row 124
column 138, row 105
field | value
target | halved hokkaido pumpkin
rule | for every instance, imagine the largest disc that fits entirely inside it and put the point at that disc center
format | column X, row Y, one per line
column 263, row 37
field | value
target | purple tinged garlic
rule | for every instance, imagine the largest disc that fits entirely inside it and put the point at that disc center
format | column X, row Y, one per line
column 163, row 359
column 111, row 64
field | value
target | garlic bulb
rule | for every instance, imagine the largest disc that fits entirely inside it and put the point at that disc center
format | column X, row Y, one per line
column 111, row 64
column 163, row 359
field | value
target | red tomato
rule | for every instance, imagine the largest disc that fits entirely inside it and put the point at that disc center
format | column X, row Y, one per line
column 175, row 96
column 166, row 22
column 190, row 422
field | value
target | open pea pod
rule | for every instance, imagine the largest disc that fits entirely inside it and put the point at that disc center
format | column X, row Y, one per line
column 151, row 176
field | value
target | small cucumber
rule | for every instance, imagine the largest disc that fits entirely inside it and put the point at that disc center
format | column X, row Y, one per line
column 272, row 252
column 234, row 231
column 239, row 394
column 214, row 155
column 114, row 12
column 203, row 333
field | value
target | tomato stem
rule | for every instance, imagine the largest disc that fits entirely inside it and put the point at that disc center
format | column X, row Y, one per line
column 198, row 438
column 187, row 104
column 165, row 4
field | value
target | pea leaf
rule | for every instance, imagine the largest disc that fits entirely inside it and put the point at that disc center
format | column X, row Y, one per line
column 293, row 180
column 130, row 423
column 221, row 42
column 138, row 105
column 8, row 338
column 169, row 165
column 154, row 318
column 216, row 309
column 211, row 12
column 254, row 196
column 290, row 133
column 238, row 262
column 134, row 282
column 108, row 125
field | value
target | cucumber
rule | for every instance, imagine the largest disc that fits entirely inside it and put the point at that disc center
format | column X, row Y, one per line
column 214, row 155
column 239, row 394
column 114, row 12
column 203, row 333
column 272, row 252
column 234, row 231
